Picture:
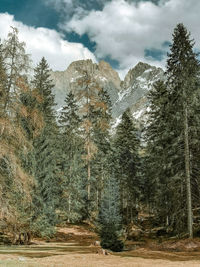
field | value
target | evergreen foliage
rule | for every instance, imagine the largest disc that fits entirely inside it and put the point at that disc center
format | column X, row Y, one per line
column 172, row 133
column 183, row 83
column 157, row 153
column 126, row 147
column 110, row 219
column 74, row 183
column 17, row 62
column 101, row 137
column 15, row 182
column 46, row 152
column 88, row 95
column 95, row 115
column 3, row 83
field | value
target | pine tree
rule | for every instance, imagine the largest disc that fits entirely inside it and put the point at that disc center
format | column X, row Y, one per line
column 74, row 183
column 182, row 81
column 173, row 133
column 17, row 62
column 110, row 219
column 158, row 168
column 88, row 95
column 44, row 86
column 102, row 140
column 46, row 150
column 126, row 146
column 31, row 121
column 95, row 124
column 29, row 115
column 15, row 180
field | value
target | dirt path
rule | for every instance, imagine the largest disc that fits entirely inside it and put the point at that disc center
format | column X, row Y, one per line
column 89, row 260
column 72, row 248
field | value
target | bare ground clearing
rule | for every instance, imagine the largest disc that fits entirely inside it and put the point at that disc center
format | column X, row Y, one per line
column 72, row 248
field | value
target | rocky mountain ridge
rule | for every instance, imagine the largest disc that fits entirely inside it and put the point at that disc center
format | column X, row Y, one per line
column 130, row 93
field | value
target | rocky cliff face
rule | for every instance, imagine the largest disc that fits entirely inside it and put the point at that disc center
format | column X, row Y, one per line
column 68, row 80
column 130, row 93
column 134, row 89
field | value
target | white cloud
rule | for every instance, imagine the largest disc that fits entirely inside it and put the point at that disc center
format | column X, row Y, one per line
column 123, row 30
column 45, row 42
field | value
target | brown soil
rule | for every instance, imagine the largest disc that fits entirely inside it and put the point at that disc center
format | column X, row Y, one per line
column 73, row 247
column 184, row 245
column 83, row 234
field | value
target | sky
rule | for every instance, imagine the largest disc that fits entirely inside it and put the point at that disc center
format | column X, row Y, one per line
column 121, row 32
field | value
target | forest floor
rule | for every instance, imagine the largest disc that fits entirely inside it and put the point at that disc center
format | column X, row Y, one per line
column 73, row 247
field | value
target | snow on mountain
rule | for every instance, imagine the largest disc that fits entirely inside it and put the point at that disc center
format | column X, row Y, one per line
column 130, row 93
column 69, row 79
column 134, row 89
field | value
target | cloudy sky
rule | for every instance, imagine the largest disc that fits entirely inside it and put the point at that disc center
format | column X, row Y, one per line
column 122, row 32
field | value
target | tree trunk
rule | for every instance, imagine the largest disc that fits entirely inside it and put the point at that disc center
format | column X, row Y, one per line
column 89, row 174
column 167, row 220
column 28, row 238
column 187, row 171
column 88, row 145
column 69, row 207
column 97, row 203
column 10, row 75
column 131, row 212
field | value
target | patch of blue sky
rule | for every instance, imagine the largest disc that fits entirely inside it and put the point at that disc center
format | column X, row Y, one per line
column 155, row 54
column 37, row 14
column 197, row 51
column 32, row 13
column 84, row 39
column 166, row 44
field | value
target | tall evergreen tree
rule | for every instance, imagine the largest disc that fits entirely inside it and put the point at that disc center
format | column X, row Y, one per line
column 183, row 83
column 17, row 62
column 126, row 145
column 102, row 140
column 74, row 183
column 15, row 180
column 173, row 132
column 46, row 148
column 88, row 95
column 158, row 168
column 95, row 115
column 31, row 121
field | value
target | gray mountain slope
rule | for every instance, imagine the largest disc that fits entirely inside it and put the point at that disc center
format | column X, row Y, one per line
column 69, row 79
column 130, row 93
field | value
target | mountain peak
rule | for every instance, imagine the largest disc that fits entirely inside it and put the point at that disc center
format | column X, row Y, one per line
column 136, row 71
column 131, row 93
column 141, row 69
column 109, row 73
column 81, row 63
column 69, row 80
column 135, row 87
column 86, row 65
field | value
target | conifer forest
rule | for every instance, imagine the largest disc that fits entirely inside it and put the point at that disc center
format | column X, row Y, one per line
column 71, row 166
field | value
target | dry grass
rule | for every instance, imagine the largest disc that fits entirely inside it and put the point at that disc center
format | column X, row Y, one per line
column 91, row 260
column 72, row 248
